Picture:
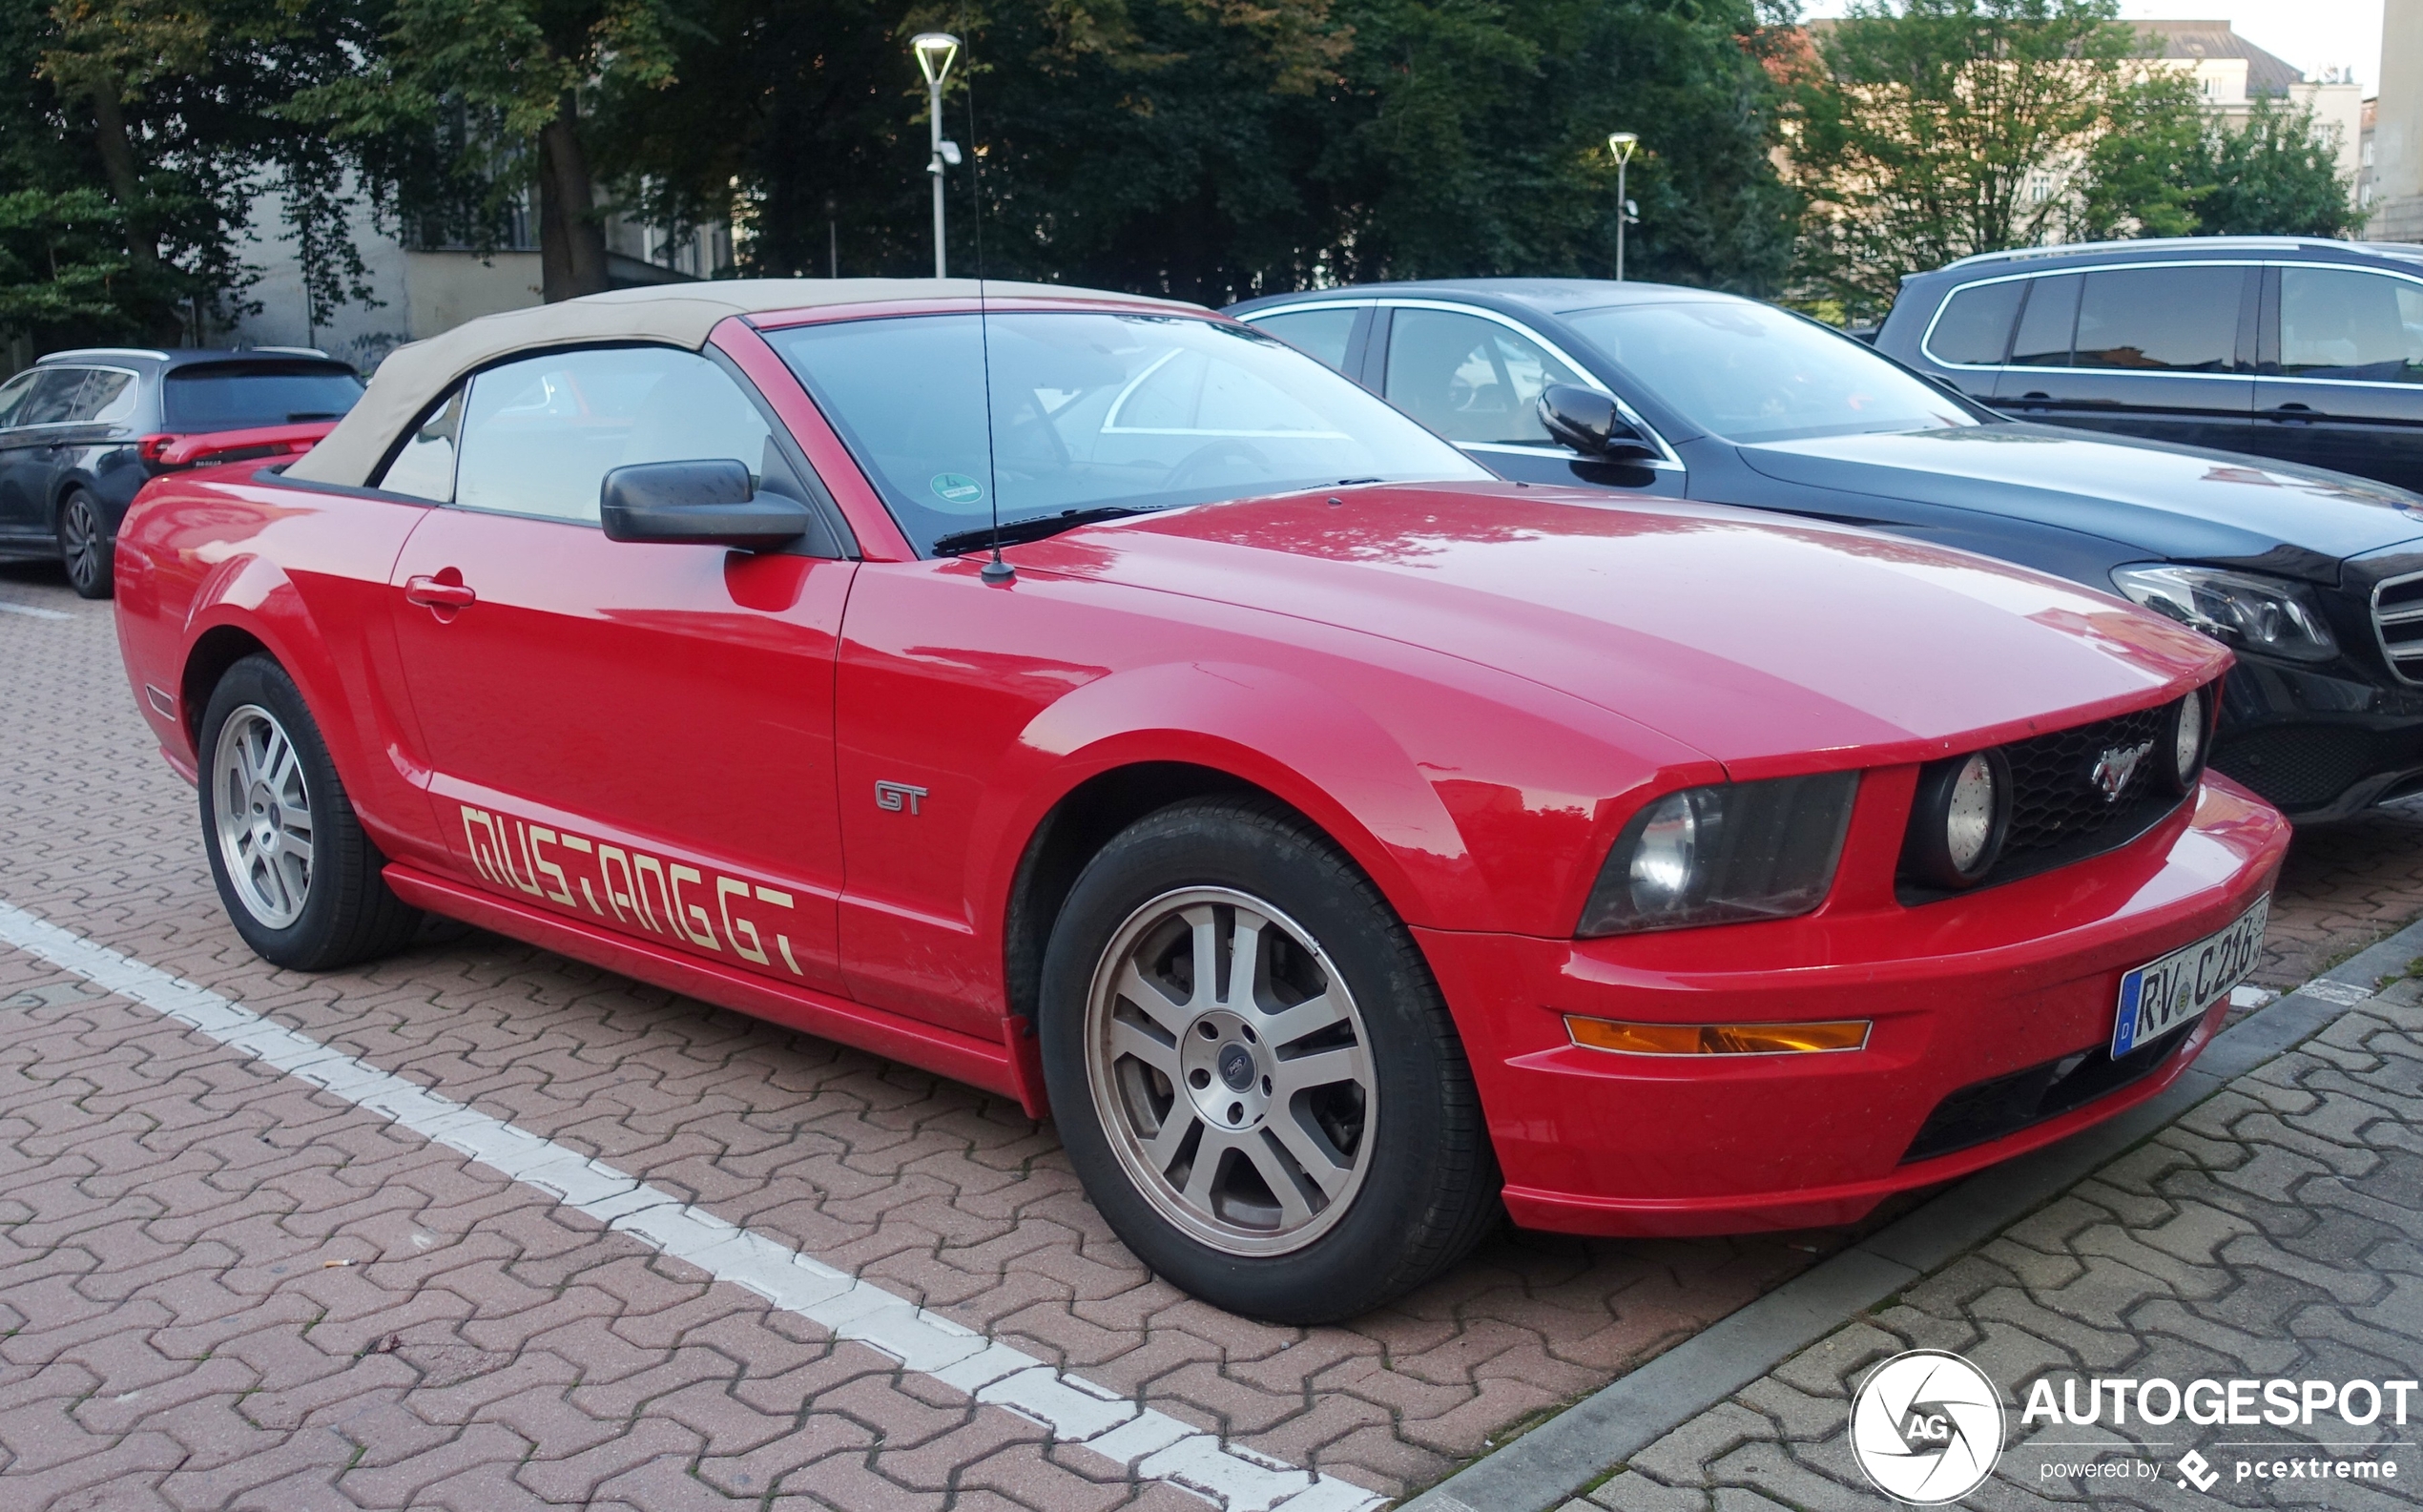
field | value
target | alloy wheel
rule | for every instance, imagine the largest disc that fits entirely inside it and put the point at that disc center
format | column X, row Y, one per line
column 262, row 805
column 80, row 542
column 1231, row 1070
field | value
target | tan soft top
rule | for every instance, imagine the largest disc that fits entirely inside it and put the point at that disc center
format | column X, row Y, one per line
column 675, row 313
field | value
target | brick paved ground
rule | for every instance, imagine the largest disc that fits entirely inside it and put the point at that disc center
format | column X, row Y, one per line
column 2276, row 1232
column 175, row 1329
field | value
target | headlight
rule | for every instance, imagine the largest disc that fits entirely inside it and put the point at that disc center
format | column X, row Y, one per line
column 1718, row 854
column 1959, row 819
column 2253, row 614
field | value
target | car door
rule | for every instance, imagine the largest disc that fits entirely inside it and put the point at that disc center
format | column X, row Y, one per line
column 640, row 734
column 33, row 448
column 2162, row 351
column 1475, row 377
column 2339, row 371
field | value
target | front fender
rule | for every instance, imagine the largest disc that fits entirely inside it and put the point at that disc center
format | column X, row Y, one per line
column 1328, row 759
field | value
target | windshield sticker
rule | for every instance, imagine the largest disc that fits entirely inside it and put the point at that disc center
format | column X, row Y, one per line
column 956, row 488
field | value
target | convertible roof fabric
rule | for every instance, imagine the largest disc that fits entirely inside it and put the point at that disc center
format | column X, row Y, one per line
column 674, row 314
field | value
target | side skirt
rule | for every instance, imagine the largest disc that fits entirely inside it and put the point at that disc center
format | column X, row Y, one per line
column 984, row 1064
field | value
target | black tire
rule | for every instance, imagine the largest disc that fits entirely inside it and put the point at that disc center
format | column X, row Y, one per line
column 88, row 547
column 347, row 913
column 1430, row 1189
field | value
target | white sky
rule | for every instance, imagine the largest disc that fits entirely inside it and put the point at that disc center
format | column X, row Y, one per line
column 2313, row 35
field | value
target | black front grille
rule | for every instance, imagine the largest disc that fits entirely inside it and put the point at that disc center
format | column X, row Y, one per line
column 2062, row 809
column 1989, row 1110
column 2398, row 619
column 2055, row 797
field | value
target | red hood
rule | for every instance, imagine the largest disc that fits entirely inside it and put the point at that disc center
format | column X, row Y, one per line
column 1747, row 635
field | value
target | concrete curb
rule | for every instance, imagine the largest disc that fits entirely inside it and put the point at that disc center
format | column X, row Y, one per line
column 1548, row 1464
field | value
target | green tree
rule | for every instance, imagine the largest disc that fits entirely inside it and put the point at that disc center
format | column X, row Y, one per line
column 491, row 94
column 2272, row 175
column 1215, row 148
column 136, row 137
column 1941, row 128
column 2146, row 175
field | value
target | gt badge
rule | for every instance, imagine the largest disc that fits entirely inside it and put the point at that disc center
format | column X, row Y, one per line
column 2115, row 767
column 892, row 796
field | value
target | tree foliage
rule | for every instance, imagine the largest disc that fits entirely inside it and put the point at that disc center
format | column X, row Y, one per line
column 1941, row 128
column 136, row 138
column 1212, row 149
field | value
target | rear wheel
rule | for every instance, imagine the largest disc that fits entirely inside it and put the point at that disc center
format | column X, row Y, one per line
column 299, row 879
column 85, row 545
column 1255, row 1073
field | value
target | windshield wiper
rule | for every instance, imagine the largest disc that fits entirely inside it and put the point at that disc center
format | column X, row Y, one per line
column 1034, row 528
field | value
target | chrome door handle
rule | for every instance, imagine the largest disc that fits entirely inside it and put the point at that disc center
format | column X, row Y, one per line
column 430, row 593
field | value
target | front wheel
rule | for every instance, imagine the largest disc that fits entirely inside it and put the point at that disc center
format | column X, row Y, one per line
column 1253, row 1071
column 299, row 879
column 86, row 546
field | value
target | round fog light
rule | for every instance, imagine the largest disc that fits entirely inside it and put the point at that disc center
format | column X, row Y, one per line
column 2187, row 740
column 1958, row 822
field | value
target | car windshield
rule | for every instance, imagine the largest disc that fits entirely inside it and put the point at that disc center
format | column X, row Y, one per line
column 1092, row 412
column 1751, row 372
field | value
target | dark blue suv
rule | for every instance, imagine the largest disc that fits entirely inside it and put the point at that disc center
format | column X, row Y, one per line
column 2303, row 350
column 81, row 431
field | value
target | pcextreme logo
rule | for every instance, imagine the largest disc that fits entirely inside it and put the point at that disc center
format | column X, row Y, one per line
column 1926, row 1427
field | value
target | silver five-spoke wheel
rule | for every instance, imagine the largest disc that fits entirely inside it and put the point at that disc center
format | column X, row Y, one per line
column 1231, row 1070
column 263, row 804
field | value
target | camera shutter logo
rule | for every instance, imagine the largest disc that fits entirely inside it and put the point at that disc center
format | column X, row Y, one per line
column 1926, row 1427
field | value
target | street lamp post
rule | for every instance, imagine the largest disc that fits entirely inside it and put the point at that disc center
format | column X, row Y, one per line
column 1620, row 144
column 936, row 51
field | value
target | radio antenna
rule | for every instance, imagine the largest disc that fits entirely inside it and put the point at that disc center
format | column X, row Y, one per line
column 995, row 570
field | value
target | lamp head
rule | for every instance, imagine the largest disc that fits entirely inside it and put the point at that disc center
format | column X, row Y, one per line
column 1620, row 144
column 935, row 51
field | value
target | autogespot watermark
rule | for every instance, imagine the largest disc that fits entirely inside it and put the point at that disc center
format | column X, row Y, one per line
column 1927, row 1428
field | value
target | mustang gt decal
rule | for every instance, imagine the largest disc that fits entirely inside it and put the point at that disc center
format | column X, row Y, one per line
column 664, row 897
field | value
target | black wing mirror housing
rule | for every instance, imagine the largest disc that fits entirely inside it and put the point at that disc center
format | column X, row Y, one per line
column 699, row 503
column 1589, row 422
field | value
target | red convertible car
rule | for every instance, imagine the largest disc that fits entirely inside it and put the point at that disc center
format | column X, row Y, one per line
column 1094, row 700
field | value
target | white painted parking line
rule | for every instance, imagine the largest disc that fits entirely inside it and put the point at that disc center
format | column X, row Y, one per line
column 31, row 612
column 1148, row 1443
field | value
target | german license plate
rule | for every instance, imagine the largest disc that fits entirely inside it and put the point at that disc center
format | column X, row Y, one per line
column 2162, row 995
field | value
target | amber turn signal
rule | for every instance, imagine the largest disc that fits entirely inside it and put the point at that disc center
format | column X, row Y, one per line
column 1716, row 1038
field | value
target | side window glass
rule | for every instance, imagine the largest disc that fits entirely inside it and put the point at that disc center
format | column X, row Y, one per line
column 105, row 396
column 52, row 402
column 425, row 468
column 1975, row 327
column 2161, row 319
column 1469, row 379
column 2340, row 322
column 2045, row 327
column 12, row 394
column 538, row 435
column 1320, row 333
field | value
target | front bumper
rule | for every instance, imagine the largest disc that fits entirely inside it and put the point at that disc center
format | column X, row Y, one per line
column 1961, row 992
column 2320, row 743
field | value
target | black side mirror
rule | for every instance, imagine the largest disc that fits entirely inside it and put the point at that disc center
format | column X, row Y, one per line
column 1589, row 422
column 702, row 502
